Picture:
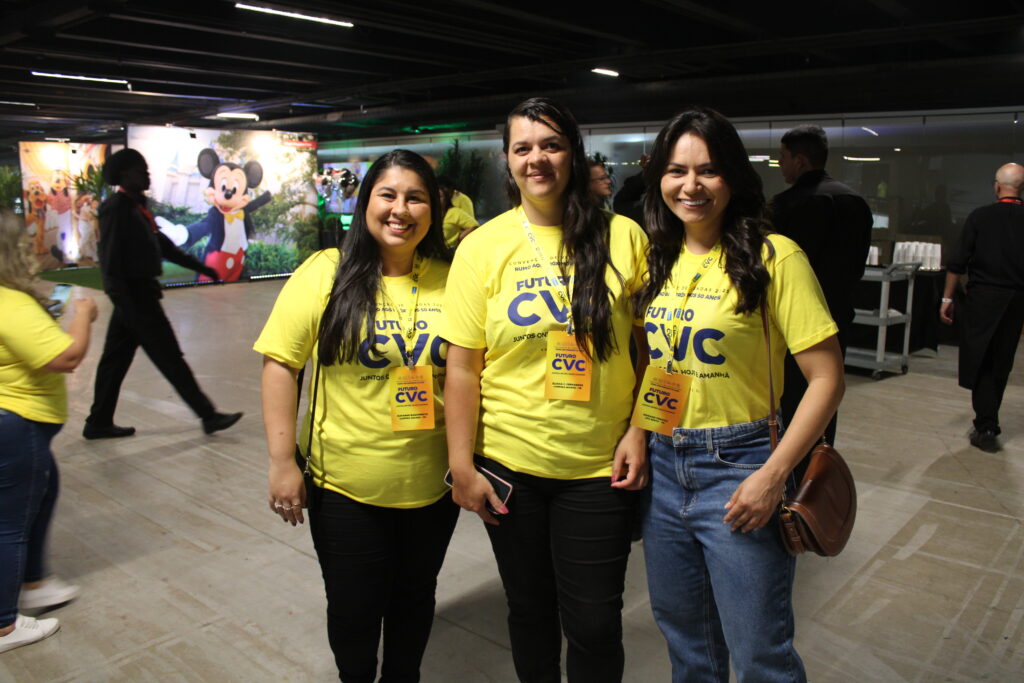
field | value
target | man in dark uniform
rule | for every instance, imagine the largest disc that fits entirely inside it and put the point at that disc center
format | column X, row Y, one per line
column 832, row 224
column 991, row 254
column 131, row 250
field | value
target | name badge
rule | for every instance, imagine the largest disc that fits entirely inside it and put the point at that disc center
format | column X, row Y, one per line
column 412, row 397
column 659, row 405
column 569, row 369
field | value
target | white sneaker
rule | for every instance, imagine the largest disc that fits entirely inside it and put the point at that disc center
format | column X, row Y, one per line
column 53, row 592
column 28, row 630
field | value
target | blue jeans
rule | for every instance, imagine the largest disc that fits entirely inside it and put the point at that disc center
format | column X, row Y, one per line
column 28, row 494
column 716, row 593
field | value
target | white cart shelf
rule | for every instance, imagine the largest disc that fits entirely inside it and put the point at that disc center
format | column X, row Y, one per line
column 878, row 359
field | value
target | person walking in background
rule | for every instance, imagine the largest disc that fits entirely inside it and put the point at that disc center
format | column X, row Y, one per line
column 131, row 249
column 832, row 224
column 547, row 284
column 721, row 582
column 457, row 223
column 34, row 354
column 600, row 183
column 991, row 254
column 380, row 514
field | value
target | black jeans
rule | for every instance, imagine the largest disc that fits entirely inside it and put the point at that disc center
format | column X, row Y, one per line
column 139, row 320
column 562, row 552
column 379, row 566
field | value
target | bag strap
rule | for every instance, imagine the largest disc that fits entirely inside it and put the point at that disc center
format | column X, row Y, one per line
column 312, row 416
column 773, row 418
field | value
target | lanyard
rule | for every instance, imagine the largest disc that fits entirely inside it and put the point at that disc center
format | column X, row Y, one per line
column 677, row 313
column 553, row 276
column 1010, row 200
column 407, row 318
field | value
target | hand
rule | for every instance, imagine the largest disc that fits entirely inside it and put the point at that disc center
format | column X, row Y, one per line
column 754, row 501
column 210, row 273
column 629, row 465
column 86, row 305
column 287, row 491
column 946, row 312
column 473, row 493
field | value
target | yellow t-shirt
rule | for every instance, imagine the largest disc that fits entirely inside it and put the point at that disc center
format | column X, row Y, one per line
column 29, row 339
column 498, row 299
column 462, row 201
column 724, row 353
column 455, row 221
column 355, row 451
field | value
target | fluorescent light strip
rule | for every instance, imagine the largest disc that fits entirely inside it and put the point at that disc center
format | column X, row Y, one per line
column 57, row 139
column 294, row 15
column 18, row 104
column 862, row 158
column 866, row 129
column 237, row 115
column 759, row 157
column 606, row 72
column 71, row 77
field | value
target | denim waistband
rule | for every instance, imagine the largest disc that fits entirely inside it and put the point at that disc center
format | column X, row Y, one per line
column 737, row 433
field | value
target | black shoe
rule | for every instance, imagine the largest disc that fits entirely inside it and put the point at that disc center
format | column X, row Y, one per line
column 111, row 431
column 219, row 421
column 985, row 440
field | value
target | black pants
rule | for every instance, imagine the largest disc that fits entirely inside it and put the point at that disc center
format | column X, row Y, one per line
column 562, row 553
column 987, row 394
column 139, row 320
column 380, row 566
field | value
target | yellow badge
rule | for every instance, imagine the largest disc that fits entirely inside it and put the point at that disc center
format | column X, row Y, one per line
column 569, row 371
column 659, row 406
column 412, row 397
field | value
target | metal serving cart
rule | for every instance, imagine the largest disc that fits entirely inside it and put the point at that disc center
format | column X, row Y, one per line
column 878, row 359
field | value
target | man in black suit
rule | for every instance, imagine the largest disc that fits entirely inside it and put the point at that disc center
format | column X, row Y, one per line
column 832, row 224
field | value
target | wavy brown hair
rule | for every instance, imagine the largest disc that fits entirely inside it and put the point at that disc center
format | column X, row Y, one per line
column 18, row 267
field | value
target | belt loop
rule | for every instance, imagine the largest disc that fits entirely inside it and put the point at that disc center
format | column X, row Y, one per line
column 709, row 439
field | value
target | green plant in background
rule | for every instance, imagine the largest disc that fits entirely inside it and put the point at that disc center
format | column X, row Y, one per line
column 90, row 181
column 10, row 186
column 270, row 259
column 466, row 169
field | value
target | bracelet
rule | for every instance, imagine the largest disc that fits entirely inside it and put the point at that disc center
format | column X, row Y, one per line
column 946, row 300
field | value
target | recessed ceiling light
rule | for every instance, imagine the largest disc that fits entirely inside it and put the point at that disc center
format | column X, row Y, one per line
column 18, row 104
column 237, row 115
column 606, row 72
column 294, row 15
column 74, row 77
column 862, row 158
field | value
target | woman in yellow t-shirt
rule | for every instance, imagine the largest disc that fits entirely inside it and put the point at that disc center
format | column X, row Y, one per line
column 539, row 389
column 720, row 580
column 457, row 221
column 34, row 352
column 380, row 514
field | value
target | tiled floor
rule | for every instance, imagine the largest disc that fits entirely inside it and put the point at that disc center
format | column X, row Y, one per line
column 187, row 576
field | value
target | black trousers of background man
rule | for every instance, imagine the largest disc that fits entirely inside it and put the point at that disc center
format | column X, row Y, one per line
column 996, row 363
column 139, row 320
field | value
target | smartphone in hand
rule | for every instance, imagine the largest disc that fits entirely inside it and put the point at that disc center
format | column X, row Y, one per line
column 502, row 488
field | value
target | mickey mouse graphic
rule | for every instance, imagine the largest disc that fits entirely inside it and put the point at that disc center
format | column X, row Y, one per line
column 229, row 222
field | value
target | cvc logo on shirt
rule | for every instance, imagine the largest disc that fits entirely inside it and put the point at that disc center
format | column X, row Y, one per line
column 422, row 340
column 523, row 309
column 690, row 337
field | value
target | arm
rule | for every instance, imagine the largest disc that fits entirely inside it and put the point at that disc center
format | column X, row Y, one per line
column 629, row 465
column 946, row 308
column 79, row 329
column 470, row 490
column 178, row 257
column 756, row 499
column 279, row 396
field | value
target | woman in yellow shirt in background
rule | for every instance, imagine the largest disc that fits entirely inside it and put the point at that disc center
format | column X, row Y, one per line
column 380, row 515
column 720, row 580
column 34, row 352
column 538, row 319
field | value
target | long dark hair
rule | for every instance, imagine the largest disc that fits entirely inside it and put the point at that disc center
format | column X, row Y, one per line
column 744, row 221
column 350, row 312
column 585, row 230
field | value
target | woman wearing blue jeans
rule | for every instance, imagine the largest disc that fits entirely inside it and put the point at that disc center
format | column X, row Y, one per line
column 34, row 351
column 720, row 580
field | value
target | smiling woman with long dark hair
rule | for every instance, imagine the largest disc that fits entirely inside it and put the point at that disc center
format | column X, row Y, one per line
column 720, row 580
column 380, row 515
column 547, row 286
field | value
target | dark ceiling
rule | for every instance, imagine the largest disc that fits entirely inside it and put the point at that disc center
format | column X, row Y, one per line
column 461, row 64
